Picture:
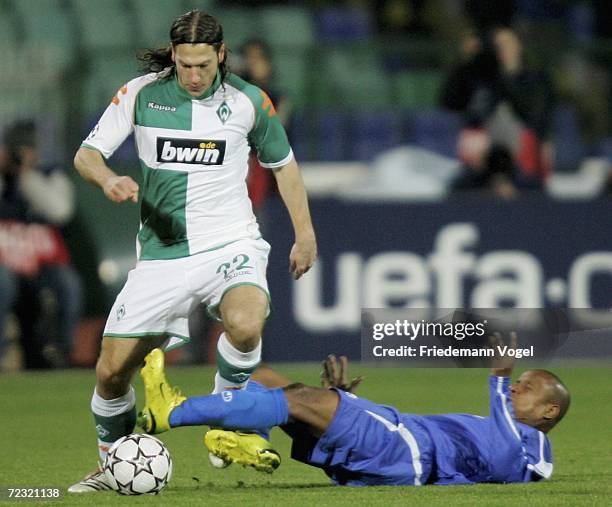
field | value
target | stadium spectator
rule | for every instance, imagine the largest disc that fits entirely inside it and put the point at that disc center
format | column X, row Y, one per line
column 37, row 280
column 507, row 106
column 257, row 67
column 199, row 241
column 360, row 443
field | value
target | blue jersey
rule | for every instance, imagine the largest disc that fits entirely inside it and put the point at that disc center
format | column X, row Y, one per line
column 371, row 444
column 471, row 449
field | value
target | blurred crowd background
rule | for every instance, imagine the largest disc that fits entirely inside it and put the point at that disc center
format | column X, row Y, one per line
column 411, row 100
column 362, row 76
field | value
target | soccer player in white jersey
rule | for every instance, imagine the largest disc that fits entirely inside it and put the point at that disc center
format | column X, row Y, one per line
column 194, row 123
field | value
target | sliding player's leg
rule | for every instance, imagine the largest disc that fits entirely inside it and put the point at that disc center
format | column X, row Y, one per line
column 258, row 410
column 255, row 409
column 166, row 407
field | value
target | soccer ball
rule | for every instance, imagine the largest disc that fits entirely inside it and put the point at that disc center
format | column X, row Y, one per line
column 138, row 464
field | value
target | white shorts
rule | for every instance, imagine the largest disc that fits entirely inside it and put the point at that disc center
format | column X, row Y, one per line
column 159, row 295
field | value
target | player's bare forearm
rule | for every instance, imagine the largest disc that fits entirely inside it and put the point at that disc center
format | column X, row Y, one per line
column 91, row 166
column 292, row 191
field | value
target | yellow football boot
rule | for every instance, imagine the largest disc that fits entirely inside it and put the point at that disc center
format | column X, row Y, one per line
column 160, row 397
column 248, row 449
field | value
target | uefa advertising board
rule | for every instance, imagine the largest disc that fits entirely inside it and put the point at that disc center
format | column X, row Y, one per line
column 469, row 251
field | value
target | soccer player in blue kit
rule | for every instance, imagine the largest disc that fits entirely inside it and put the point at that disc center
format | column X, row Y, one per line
column 360, row 443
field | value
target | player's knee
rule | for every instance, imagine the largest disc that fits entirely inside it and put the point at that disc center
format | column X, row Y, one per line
column 244, row 329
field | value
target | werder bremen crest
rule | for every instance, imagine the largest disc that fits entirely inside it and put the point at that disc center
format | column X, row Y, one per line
column 224, row 112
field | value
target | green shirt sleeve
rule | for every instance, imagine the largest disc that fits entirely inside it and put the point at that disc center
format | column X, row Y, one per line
column 267, row 135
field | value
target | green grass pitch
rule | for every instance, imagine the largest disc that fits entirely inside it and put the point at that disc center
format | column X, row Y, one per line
column 48, row 440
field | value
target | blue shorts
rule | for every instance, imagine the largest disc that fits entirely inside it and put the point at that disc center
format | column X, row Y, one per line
column 368, row 444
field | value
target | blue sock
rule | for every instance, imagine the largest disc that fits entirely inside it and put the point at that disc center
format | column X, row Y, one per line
column 255, row 387
column 234, row 410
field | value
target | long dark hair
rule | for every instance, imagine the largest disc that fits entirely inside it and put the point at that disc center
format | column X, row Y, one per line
column 193, row 27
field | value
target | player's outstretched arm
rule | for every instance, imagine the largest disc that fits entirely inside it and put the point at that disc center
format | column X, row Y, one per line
column 502, row 366
column 91, row 166
column 291, row 187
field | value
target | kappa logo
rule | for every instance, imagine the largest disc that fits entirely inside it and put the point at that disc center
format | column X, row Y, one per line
column 161, row 107
column 120, row 312
column 190, row 151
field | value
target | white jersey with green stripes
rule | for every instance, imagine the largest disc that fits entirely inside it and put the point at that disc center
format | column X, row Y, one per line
column 194, row 156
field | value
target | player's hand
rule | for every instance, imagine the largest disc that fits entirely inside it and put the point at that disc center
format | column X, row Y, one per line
column 121, row 188
column 502, row 366
column 334, row 375
column 302, row 257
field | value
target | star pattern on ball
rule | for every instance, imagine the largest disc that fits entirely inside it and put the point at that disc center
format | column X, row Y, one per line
column 125, row 489
column 142, row 462
column 111, row 459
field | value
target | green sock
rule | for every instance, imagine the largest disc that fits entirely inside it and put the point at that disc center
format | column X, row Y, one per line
column 234, row 368
column 114, row 419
